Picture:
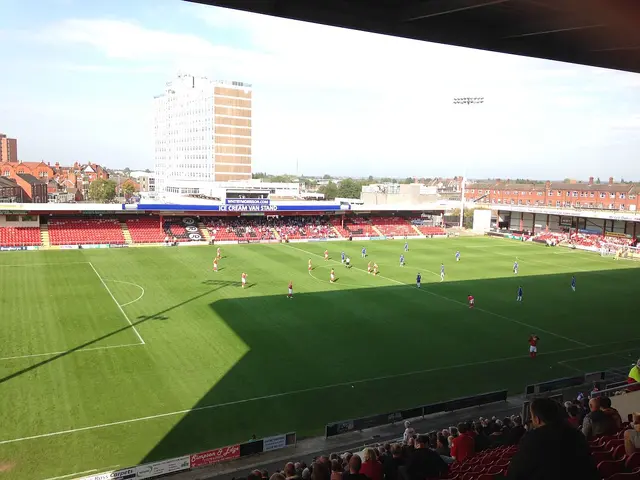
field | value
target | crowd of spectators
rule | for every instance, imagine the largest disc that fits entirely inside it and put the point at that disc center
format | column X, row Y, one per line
column 264, row 228
column 597, row 240
column 556, row 442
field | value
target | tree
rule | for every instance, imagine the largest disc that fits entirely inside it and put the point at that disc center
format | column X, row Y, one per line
column 102, row 190
column 407, row 181
column 127, row 189
column 326, row 176
column 598, row 181
column 330, row 190
column 468, row 216
column 127, row 171
column 349, row 188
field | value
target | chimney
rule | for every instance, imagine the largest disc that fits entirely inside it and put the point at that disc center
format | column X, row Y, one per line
column 547, row 184
column 610, row 181
column 590, row 181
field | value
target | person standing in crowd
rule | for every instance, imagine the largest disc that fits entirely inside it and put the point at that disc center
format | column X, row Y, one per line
column 632, row 436
column 371, row 467
column 423, row 462
column 552, row 450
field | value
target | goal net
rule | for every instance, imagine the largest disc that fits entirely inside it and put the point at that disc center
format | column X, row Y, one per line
column 620, row 251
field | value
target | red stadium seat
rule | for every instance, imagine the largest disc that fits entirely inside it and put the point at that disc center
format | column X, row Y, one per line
column 19, row 236
column 633, row 461
column 85, row 231
column 610, row 467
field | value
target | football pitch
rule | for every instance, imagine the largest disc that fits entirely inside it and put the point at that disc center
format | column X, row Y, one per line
column 119, row 357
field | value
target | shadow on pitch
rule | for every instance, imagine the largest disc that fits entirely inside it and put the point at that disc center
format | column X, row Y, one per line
column 303, row 354
column 140, row 320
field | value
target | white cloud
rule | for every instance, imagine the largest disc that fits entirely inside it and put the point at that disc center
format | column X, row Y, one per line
column 351, row 102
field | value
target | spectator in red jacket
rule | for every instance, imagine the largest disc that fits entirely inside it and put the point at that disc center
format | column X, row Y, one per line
column 463, row 446
column 371, row 467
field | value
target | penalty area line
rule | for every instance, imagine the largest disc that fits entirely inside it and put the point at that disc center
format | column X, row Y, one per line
column 116, row 302
column 294, row 392
column 51, row 354
column 497, row 315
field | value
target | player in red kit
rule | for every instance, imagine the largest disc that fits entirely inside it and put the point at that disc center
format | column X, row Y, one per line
column 471, row 300
column 290, row 295
column 533, row 346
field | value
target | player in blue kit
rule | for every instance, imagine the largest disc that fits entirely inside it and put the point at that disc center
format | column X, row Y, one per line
column 515, row 268
column 573, row 283
column 402, row 260
column 442, row 272
column 406, row 246
column 342, row 256
column 418, row 280
column 519, row 297
column 458, row 256
column 364, row 252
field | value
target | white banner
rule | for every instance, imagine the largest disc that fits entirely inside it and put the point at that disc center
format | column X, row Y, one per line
column 275, row 443
column 123, row 474
column 156, row 469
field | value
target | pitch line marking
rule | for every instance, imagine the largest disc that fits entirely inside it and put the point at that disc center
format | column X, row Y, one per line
column 297, row 392
column 72, row 474
column 534, row 328
column 51, row 354
column 116, row 302
column 129, row 283
column 44, row 264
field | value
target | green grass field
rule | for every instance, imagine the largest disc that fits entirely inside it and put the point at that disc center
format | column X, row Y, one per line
column 119, row 357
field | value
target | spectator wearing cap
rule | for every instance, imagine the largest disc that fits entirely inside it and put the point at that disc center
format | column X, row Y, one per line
column 392, row 463
column 632, row 436
column 423, row 462
column 552, row 450
column 597, row 423
column 463, row 446
column 355, row 464
column 371, row 467
column 605, row 405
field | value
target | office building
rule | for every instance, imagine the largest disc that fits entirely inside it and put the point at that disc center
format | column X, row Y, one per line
column 202, row 133
column 8, row 149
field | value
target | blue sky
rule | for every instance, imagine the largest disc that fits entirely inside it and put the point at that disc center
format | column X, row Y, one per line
column 80, row 78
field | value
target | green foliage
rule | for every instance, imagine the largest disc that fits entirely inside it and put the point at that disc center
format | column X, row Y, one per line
column 102, row 191
column 127, row 189
column 330, row 190
column 349, row 188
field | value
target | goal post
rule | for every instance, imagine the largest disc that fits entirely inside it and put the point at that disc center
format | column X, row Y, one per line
column 621, row 252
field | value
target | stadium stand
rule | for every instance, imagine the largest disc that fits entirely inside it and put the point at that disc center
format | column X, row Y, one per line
column 493, row 446
column 19, row 236
column 146, row 229
column 393, row 226
column 85, row 231
column 426, row 229
column 593, row 240
column 354, row 227
column 238, row 228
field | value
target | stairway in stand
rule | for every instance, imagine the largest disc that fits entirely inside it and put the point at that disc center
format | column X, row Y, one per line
column 335, row 229
column 44, row 235
column 126, row 233
column 417, row 230
column 377, row 230
column 275, row 234
column 205, row 232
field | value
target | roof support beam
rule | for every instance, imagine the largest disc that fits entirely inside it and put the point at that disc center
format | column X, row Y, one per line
column 437, row 8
